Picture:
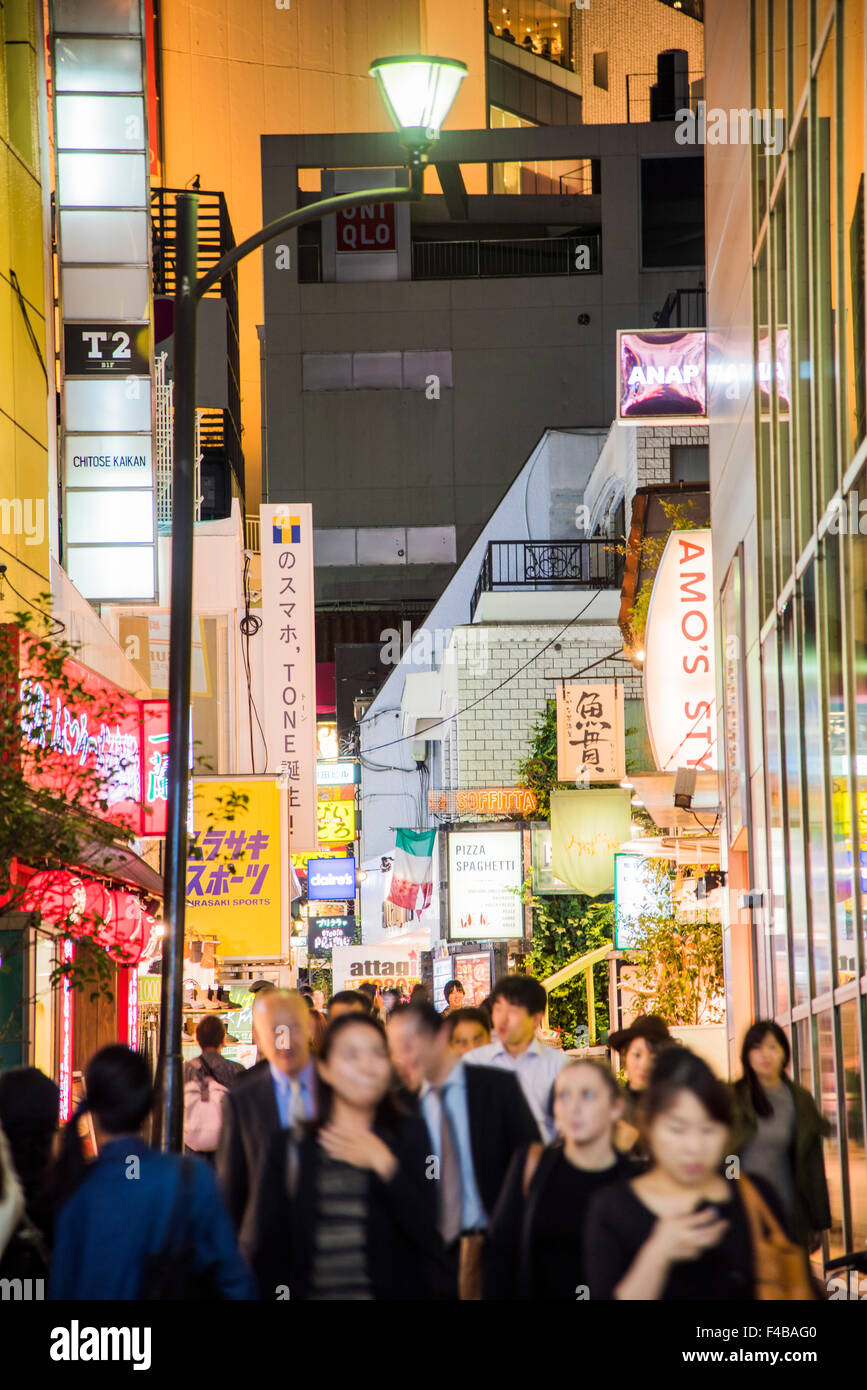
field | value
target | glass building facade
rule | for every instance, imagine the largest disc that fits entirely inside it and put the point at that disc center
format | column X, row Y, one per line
column 806, row 641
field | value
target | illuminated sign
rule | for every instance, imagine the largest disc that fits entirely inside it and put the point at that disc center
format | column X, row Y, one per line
column 639, row 889
column 106, row 347
column 339, row 774
column 324, row 933
column 679, row 679
column 370, row 227
column 98, row 746
column 329, row 879
column 590, row 733
column 485, row 870
column 103, row 238
column 335, row 816
column 396, row 965
column 290, row 661
column 485, row 801
column 662, row 375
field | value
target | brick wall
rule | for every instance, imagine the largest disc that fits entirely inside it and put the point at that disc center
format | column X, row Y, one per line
column 493, row 737
column 632, row 33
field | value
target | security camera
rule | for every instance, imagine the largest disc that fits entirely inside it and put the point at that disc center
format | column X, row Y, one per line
column 684, row 788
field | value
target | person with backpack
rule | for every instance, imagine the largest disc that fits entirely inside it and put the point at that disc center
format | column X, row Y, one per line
column 136, row 1224
column 207, row 1078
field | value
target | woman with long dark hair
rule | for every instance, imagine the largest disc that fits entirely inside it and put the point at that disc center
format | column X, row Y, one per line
column 681, row 1231
column 136, row 1223
column 778, row 1130
column 346, row 1210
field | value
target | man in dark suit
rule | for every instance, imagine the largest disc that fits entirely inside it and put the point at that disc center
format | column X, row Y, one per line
column 277, row 1095
column 477, row 1117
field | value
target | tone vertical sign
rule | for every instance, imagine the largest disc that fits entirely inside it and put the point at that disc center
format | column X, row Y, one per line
column 290, row 661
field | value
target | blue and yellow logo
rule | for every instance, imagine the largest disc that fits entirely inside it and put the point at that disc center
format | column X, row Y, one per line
column 287, row 530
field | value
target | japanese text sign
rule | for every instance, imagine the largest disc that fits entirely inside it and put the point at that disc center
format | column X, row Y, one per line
column 290, row 661
column 238, row 864
column 590, row 733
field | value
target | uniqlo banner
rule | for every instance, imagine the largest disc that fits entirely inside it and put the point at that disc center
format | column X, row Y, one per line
column 290, row 661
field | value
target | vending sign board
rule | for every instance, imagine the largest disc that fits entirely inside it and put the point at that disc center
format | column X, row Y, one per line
column 485, row 875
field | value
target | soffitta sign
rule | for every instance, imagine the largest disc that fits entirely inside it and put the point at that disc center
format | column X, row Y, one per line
column 679, row 680
column 290, row 661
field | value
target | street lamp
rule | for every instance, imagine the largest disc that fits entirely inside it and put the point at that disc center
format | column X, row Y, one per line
column 418, row 94
column 435, row 82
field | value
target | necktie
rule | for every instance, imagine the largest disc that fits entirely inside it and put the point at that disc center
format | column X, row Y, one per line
column 297, row 1112
column 451, row 1195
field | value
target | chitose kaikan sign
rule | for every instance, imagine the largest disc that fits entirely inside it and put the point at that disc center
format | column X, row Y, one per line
column 679, row 679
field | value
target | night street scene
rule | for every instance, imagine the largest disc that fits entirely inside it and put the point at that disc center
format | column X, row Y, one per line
column 433, row 678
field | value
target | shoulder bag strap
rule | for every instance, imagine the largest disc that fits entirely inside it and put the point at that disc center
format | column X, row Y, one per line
column 759, row 1212
column 531, row 1163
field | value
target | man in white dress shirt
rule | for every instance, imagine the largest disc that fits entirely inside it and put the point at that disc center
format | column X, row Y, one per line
column 518, row 1008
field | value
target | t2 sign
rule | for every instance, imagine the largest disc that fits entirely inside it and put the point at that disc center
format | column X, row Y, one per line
column 122, row 349
column 367, row 228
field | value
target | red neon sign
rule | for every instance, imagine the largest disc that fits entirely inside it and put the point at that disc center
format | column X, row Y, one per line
column 105, row 749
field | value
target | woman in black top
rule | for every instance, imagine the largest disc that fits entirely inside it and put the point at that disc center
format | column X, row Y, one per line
column 345, row 1210
column 534, row 1246
column 678, row 1232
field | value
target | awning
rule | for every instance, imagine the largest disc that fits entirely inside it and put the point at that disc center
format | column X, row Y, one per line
column 681, row 850
column 116, row 861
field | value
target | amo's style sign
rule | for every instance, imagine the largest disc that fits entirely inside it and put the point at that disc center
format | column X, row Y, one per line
column 679, row 679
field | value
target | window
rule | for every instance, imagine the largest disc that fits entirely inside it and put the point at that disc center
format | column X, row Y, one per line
column 600, row 70
column 690, row 463
column 672, row 213
column 19, row 64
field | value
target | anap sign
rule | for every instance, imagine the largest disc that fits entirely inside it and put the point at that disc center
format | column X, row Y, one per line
column 679, row 680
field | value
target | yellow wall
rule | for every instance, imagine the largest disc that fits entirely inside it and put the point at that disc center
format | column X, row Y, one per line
column 233, row 71
column 23, row 417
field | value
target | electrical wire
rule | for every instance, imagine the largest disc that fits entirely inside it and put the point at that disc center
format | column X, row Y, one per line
column 249, row 626
column 22, row 304
column 59, row 625
column 408, row 738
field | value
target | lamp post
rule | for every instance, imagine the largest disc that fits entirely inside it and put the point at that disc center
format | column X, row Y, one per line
column 418, row 93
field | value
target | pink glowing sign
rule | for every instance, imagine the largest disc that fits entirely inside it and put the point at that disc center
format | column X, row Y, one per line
column 662, row 375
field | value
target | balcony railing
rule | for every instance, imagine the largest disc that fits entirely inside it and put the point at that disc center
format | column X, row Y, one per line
column 541, row 565
column 462, row 260
column 683, row 309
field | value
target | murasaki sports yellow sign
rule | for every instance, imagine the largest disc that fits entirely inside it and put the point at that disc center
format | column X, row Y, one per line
column 237, row 867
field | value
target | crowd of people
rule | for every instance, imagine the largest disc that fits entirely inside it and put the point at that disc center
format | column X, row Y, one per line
column 380, row 1149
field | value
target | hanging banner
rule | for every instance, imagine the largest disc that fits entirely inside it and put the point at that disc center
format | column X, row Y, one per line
column 290, row 661
column 590, row 733
column 679, row 677
column 587, row 827
column 237, row 887
column 485, row 875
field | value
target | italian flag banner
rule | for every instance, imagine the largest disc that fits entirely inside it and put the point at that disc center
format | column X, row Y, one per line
column 412, row 870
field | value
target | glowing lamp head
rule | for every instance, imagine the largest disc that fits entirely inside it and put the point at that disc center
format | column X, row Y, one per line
column 418, row 93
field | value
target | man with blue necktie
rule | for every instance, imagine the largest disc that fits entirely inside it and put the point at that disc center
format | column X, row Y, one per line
column 280, row 1095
